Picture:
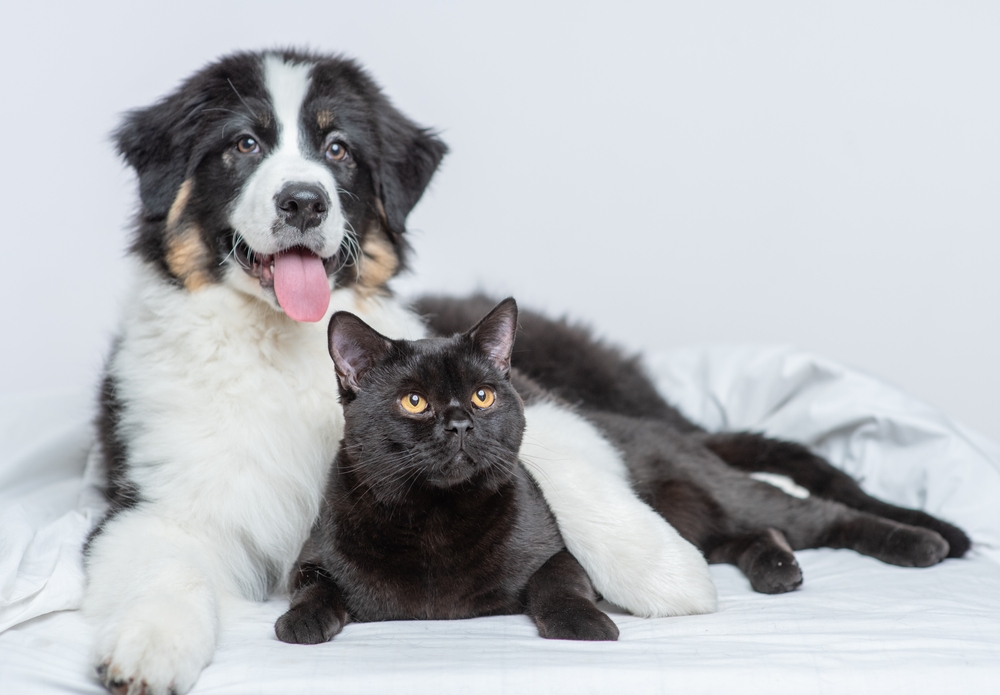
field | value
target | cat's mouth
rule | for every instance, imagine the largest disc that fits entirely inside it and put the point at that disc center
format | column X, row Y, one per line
column 457, row 469
column 464, row 466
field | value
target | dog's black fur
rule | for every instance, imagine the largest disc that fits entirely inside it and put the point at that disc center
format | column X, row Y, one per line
column 187, row 139
column 697, row 480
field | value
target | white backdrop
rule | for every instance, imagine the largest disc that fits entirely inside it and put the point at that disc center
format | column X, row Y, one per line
column 819, row 174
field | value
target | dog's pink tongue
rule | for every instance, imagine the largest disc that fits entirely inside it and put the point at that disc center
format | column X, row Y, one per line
column 301, row 284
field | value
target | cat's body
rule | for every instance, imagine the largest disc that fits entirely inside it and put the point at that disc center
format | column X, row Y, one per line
column 454, row 554
column 428, row 512
column 701, row 482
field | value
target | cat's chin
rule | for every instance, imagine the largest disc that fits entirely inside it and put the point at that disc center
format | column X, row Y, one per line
column 459, row 470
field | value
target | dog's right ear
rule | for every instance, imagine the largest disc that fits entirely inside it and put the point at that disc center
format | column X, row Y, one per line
column 410, row 156
column 156, row 141
column 355, row 348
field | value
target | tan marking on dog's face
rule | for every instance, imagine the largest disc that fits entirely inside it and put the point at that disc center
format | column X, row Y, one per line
column 179, row 204
column 378, row 262
column 380, row 209
column 324, row 119
column 187, row 256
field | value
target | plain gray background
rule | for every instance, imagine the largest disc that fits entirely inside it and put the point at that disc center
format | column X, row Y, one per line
column 819, row 174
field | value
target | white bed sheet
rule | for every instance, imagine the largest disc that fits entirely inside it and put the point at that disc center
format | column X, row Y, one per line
column 856, row 625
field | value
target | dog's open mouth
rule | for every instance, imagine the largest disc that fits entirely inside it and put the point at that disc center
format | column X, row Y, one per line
column 297, row 275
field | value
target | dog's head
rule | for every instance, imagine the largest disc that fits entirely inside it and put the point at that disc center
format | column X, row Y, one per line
column 282, row 174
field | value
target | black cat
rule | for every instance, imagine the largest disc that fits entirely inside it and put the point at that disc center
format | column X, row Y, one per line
column 698, row 480
column 428, row 513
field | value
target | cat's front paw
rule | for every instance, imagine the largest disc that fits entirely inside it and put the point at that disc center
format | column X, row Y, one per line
column 304, row 625
column 577, row 620
column 160, row 654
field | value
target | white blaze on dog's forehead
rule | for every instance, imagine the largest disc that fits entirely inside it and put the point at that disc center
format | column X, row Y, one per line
column 254, row 215
column 287, row 84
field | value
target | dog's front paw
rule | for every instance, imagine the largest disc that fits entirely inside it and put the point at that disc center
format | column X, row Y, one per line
column 155, row 652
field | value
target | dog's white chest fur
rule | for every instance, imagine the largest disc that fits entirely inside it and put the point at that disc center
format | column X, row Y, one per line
column 231, row 419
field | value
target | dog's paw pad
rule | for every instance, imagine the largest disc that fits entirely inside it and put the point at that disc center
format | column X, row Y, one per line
column 153, row 657
column 917, row 547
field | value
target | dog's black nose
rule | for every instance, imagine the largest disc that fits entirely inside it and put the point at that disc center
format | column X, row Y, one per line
column 302, row 205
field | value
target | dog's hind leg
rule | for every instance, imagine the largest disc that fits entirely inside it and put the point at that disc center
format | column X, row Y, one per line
column 764, row 525
column 752, row 452
column 888, row 541
column 764, row 557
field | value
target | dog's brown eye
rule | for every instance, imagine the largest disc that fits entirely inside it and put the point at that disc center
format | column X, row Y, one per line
column 413, row 403
column 484, row 397
column 336, row 152
column 247, row 145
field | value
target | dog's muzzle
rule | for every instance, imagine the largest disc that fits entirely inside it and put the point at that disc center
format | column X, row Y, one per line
column 302, row 205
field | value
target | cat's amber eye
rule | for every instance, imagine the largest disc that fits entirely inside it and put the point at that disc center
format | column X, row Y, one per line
column 483, row 397
column 413, row 403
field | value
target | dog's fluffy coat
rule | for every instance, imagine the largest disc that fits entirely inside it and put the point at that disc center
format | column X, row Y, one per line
column 219, row 418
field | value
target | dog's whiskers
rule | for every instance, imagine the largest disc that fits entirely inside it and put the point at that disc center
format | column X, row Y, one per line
column 352, row 249
column 347, row 193
column 237, row 240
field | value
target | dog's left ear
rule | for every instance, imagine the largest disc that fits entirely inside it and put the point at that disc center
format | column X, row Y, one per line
column 410, row 156
column 157, row 141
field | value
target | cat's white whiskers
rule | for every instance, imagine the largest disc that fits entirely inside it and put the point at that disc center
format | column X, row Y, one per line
column 536, row 470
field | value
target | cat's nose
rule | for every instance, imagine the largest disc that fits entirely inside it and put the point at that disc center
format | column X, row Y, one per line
column 459, row 426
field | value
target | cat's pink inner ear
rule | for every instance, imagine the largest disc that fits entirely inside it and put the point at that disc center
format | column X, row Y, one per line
column 355, row 348
column 495, row 334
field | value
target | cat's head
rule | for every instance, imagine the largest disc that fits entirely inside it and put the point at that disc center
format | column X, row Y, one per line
column 437, row 413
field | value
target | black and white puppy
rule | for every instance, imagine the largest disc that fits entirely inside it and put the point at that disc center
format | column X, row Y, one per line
column 274, row 190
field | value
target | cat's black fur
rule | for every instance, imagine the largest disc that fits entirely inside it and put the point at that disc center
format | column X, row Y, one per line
column 430, row 515
column 699, row 480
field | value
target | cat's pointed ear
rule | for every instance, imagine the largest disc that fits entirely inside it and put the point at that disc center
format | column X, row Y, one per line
column 355, row 348
column 494, row 335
